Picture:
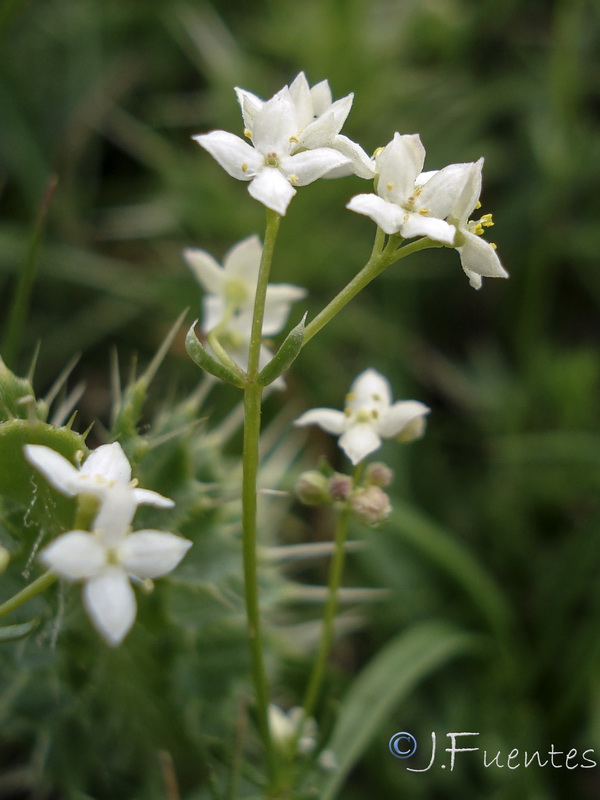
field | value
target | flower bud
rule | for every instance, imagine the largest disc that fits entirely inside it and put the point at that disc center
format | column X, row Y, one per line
column 340, row 486
column 371, row 505
column 378, row 474
column 312, row 488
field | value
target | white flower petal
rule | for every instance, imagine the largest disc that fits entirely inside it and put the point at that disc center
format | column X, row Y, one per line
column 207, row 270
column 359, row 441
column 310, row 165
column 479, row 256
column 54, row 467
column 388, row 216
column 110, row 602
column 107, row 463
column 146, row 497
column 242, row 262
column 237, row 157
column 360, row 163
column 151, row 554
column 250, row 105
column 329, row 419
column 213, row 311
column 75, row 555
column 301, row 96
column 275, row 124
column 399, row 415
column 421, row 225
column 442, row 192
column 369, row 387
column 280, row 297
column 399, row 165
column 469, row 196
column 116, row 512
column 272, row 189
column 320, row 95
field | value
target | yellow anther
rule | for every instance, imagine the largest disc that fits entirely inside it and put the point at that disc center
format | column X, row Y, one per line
column 293, row 179
column 134, row 483
column 478, row 229
column 390, row 186
column 376, row 153
column 418, row 190
column 487, row 221
column 477, row 204
column 350, row 397
column 424, row 211
column 245, row 166
column 493, row 245
column 294, row 139
column 247, row 133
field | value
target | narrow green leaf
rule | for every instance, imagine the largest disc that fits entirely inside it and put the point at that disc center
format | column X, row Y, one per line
column 433, row 541
column 285, row 356
column 205, row 361
column 389, row 677
column 9, row 633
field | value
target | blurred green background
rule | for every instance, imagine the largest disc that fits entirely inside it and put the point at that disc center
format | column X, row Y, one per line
column 104, row 97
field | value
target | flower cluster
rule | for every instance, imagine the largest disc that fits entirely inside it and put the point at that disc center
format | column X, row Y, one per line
column 296, row 139
column 110, row 556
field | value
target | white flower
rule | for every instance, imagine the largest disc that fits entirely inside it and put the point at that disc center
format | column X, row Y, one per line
column 107, row 558
column 368, row 417
column 231, row 288
column 271, row 166
column 319, row 123
column 105, row 468
column 405, row 204
column 477, row 256
column 284, row 726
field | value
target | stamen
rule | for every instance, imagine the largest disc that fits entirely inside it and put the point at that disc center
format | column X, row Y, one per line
column 294, row 139
column 424, row 211
column 247, row 133
column 487, row 221
column 293, row 179
column 478, row 204
column 245, row 166
column 390, row 186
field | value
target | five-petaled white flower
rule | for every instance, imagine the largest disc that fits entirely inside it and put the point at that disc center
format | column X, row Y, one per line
column 105, row 468
column 478, row 257
column 403, row 203
column 320, row 121
column 108, row 557
column 231, row 288
column 369, row 416
column 271, row 165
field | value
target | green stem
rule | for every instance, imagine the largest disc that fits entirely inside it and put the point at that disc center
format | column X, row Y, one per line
column 379, row 261
column 251, row 459
column 38, row 585
column 335, row 579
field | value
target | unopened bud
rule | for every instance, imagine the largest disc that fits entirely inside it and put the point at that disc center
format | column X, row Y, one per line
column 371, row 505
column 312, row 488
column 378, row 474
column 340, row 486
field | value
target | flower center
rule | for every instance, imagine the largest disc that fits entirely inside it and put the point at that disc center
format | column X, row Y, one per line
column 271, row 160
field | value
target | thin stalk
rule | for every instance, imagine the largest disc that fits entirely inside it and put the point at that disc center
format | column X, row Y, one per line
column 251, row 459
column 379, row 261
column 335, row 580
column 30, row 591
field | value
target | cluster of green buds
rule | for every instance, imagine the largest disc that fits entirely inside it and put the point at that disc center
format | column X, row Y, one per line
column 364, row 498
